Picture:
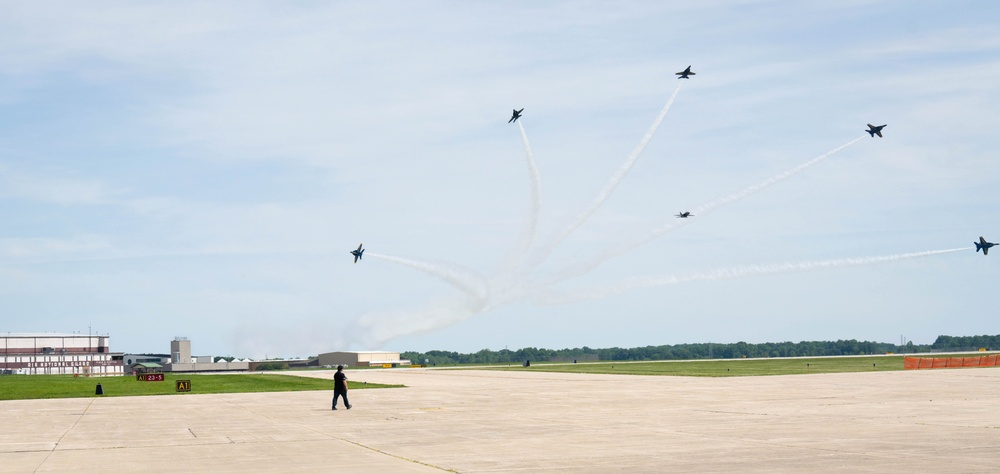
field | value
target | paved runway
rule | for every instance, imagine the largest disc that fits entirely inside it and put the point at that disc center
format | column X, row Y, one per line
column 491, row 421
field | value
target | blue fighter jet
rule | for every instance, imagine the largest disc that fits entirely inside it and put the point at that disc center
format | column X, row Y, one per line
column 983, row 245
column 517, row 115
column 873, row 130
column 685, row 73
column 358, row 253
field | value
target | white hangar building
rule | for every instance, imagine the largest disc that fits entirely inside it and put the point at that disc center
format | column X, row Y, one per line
column 54, row 353
column 362, row 359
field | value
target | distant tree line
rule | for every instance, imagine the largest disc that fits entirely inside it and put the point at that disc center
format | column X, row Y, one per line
column 702, row 351
column 965, row 343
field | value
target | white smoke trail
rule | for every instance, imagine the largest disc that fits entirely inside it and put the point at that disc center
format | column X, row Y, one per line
column 731, row 273
column 527, row 238
column 697, row 213
column 376, row 328
column 467, row 280
column 708, row 208
column 609, row 188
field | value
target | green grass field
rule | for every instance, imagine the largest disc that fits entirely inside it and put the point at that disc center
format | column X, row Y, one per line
column 21, row 387
column 729, row 367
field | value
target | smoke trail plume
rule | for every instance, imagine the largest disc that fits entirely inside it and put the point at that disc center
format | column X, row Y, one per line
column 466, row 280
column 698, row 212
column 731, row 273
column 609, row 188
column 527, row 237
column 374, row 329
column 708, row 208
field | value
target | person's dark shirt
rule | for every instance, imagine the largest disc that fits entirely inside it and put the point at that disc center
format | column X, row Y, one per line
column 340, row 382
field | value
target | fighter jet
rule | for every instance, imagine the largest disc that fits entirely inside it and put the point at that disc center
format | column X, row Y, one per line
column 358, row 253
column 517, row 115
column 685, row 73
column 873, row 130
column 685, row 214
column 983, row 245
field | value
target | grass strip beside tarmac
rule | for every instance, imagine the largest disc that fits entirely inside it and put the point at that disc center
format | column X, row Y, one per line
column 726, row 367
column 22, row 387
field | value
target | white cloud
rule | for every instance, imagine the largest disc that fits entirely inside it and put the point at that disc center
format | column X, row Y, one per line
column 62, row 190
column 48, row 247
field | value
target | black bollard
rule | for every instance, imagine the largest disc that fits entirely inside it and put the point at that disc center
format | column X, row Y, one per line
column 100, row 389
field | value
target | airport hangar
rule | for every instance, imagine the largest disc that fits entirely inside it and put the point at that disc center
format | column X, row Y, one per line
column 180, row 350
column 362, row 359
column 55, row 353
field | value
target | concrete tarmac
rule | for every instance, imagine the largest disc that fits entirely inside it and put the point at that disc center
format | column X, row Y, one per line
column 493, row 421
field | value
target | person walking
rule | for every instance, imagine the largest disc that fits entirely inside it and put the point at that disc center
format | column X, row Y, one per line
column 340, row 387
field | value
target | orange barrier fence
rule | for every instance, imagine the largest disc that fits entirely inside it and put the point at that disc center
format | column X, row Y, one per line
column 950, row 362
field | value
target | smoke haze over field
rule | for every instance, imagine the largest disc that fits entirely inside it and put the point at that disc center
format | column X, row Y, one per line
column 163, row 177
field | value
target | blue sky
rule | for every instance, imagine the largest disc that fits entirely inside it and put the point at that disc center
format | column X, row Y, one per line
column 202, row 170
